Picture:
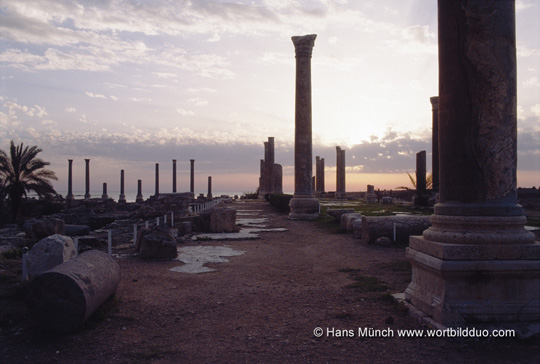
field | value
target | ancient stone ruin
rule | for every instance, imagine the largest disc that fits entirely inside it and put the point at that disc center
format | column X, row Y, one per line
column 271, row 174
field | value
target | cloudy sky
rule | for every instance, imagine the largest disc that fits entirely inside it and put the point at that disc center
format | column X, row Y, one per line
column 132, row 83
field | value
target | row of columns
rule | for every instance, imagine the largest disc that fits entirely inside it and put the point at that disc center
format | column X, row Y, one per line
column 122, row 197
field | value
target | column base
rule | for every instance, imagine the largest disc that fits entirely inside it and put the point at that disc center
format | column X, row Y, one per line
column 122, row 198
column 87, row 196
column 460, row 284
column 304, row 207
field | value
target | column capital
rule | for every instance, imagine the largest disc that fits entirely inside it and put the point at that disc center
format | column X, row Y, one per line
column 434, row 102
column 303, row 45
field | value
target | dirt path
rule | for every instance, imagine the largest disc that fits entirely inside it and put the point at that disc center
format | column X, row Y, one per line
column 262, row 307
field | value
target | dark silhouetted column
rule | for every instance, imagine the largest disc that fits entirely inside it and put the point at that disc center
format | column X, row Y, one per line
column 174, row 175
column 104, row 195
column 122, row 197
column 87, row 188
column 209, row 196
column 157, row 180
column 139, row 197
column 477, row 262
column 70, row 180
column 192, row 176
column 421, row 198
column 303, row 204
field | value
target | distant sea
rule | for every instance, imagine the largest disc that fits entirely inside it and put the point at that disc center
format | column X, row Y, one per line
column 131, row 196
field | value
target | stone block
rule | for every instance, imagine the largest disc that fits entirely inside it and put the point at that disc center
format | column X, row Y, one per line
column 48, row 253
column 347, row 221
column 157, row 243
column 218, row 220
column 77, row 230
column 39, row 229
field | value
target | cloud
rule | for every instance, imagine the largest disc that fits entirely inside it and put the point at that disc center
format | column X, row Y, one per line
column 197, row 101
column 184, row 112
column 33, row 111
column 95, row 96
column 531, row 82
column 71, row 109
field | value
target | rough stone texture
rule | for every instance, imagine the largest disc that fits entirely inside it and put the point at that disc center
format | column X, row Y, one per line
column 477, row 263
column 39, row 229
column 64, row 297
column 218, row 220
column 435, row 142
column 374, row 227
column 421, row 197
column 157, row 243
column 48, row 253
column 278, row 178
column 303, row 205
column 77, row 230
column 357, row 229
column 336, row 213
column 347, row 221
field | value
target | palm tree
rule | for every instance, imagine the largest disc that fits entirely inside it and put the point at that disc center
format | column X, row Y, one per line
column 21, row 172
column 429, row 182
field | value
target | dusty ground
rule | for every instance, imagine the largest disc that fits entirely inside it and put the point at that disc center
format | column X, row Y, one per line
column 260, row 307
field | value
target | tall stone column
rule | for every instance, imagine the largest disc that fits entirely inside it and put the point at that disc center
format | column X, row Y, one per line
column 104, row 195
column 477, row 263
column 70, row 180
column 435, row 142
column 209, row 196
column 322, row 176
column 261, row 180
column 421, row 198
column 87, row 180
column 278, row 178
column 157, row 180
column 317, row 175
column 174, row 175
column 269, row 161
column 340, row 172
column 192, row 176
column 122, row 197
column 303, row 204
column 139, row 197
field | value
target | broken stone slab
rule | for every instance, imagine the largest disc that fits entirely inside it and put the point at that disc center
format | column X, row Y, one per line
column 252, row 221
column 156, row 243
column 218, row 220
column 195, row 257
column 336, row 213
column 348, row 219
column 357, row 228
column 48, row 253
column 374, row 227
column 63, row 298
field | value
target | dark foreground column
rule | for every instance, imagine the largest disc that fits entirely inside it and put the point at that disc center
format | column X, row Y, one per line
column 209, row 196
column 87, row 180
column 477, row 264
column 70, row 180
column 303, row 204
column 104, row 195
column 174, row 175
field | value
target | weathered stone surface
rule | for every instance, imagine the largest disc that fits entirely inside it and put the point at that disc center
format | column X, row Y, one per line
column 218, row 220
column 336, row 213
column 39, row 229
column 157, row 243
column 303, row 205
column 357, row 229
column 347, row 221
column 77, row 230
column 374, row 227
column 65, row 296
column 48, row 253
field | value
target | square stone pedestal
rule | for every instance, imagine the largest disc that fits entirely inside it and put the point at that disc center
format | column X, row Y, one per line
column 304, row 207
column 463, row 284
